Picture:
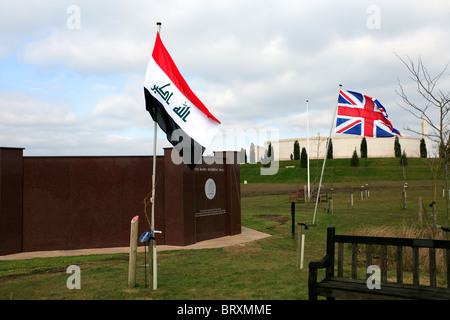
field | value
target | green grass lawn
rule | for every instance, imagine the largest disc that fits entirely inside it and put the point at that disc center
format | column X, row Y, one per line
column 263, row 269
column 339, row 170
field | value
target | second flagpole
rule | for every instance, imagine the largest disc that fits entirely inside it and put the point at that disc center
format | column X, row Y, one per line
column 307, row 147
column 325, row 157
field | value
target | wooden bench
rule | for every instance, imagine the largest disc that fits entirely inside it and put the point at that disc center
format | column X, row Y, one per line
column 299, row 196
column 352, row 288
column 323, row 195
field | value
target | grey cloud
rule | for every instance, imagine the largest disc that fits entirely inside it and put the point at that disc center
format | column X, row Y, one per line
column 253, row 63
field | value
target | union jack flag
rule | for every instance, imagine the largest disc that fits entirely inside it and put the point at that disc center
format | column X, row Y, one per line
column 362, row 115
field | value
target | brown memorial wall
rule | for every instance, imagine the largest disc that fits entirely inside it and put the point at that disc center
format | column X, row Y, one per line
column 64, row 203
column 11, row 191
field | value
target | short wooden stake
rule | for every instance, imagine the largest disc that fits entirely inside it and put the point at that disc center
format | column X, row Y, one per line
column 302, row 252
column 420, row 207
column 299, row 246
column 133, row 252
column 404, row 199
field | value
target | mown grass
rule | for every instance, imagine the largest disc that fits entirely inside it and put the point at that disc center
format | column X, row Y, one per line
column 339, row 170
column 263, row 269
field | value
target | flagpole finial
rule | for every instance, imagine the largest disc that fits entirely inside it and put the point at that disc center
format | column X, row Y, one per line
column 340, row 86
column 158, row 25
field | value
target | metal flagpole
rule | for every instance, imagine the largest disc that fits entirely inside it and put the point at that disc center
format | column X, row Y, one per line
column 154, row 279
column 307, row 147
column 326, row 152
column 152, row 226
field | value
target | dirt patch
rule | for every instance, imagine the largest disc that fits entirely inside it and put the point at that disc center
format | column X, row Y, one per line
column 33, row 272
column 248, row 248
column 60, row 269
column 276, row 218
column 262, row 189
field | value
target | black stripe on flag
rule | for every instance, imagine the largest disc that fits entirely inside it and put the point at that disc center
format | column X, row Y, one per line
column 190, row 150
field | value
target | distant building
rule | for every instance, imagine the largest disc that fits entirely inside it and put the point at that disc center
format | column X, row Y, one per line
column 344, row 145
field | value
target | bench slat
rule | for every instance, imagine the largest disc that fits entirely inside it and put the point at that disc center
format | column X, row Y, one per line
column 340, row 259
column 384, row 263
column 399, row 264
column 354, row 260
column 447, row 255
column 416, row 266
column 405, row 242
column 432, row 267
column 368, row 255
column 357, row 289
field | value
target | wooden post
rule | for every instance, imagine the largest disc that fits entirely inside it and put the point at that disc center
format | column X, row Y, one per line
column 420, row 207
column 404, row 199
column 155, row 264
column 330, row 205
column 302, row 254
column 299, row 246
column 293, row 220
column 434, row 212
column 133, row 252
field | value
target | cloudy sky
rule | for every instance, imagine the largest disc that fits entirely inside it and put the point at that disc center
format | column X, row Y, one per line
column 72, row 72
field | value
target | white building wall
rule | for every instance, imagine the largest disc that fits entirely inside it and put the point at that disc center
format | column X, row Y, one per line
column 343, row 147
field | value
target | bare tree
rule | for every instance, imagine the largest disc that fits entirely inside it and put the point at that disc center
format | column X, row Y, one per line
column 433, row 107
column 435, row 101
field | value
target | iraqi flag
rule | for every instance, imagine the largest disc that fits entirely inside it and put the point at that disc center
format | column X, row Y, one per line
column 188, row 124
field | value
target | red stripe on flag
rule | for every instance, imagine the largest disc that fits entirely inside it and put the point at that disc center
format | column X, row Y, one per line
column 351, row 125
column 348, row 98
column 165, row 62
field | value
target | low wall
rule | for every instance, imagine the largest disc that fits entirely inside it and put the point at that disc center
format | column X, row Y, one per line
column 88, row 202
column 11, row 188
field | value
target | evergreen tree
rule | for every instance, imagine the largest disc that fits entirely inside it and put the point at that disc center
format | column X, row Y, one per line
column 403, row 160
column 330, row 150
column 267, row 157
column 355, row 161
column 363, row 148
column 304, row 159
column 296, row 150
column 423, row 149
column 397, row 148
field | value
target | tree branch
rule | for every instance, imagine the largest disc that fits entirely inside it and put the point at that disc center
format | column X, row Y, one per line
column 427, row 87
